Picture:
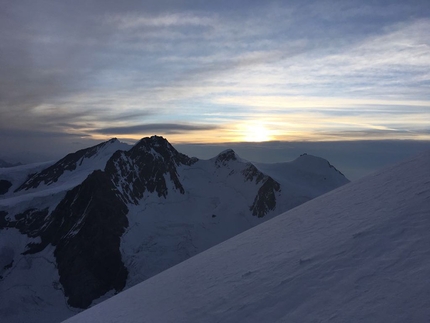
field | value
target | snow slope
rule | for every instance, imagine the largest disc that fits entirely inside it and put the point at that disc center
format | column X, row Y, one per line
column 51, row 178
column 360, row 253
column 214, row 207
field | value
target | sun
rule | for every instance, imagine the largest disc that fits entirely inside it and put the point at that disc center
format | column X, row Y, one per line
column 256, row 132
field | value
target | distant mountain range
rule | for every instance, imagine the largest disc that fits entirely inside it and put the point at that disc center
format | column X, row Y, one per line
column 5, row 164
column 75, row 232
column 357, row 254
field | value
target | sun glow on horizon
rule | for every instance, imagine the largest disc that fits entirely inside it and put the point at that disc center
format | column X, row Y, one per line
column 256, row 132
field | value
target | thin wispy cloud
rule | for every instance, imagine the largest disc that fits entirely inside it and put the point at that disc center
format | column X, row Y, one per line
column 138, row 21
column 145, row 129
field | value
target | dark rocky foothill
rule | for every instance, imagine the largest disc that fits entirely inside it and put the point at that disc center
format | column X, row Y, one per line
column 4, row 186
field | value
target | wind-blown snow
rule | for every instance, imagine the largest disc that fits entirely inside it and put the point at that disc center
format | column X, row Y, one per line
column 360, row 253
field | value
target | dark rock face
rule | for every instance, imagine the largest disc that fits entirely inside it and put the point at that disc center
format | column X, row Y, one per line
column 265, row 200
column 86, row 228
column 30, row 223
column 224, row 157
column 68, row 163
column 87, row 253
column 144, row 167
column 251, row 173
column 3, row 221
column 4, row 186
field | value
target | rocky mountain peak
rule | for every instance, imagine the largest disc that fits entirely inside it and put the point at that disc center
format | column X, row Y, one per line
column 160, row 149
column 72, row 161
column 225, row 156
column 111, row 141
column 144, row 168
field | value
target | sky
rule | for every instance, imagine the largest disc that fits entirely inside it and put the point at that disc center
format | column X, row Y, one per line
column 74, row 73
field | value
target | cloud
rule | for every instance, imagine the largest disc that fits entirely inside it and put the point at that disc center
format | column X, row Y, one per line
column 137, row 21
column 158, row 128
column 90, row 65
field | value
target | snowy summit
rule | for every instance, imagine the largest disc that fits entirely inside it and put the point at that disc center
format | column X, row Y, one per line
column 357, row 254
column 102, row 219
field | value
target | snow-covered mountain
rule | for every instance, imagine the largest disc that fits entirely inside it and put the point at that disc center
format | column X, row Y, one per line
column 102, row 219
column 360, row 253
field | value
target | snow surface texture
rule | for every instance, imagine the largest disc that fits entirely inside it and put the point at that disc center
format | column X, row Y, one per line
column 360, row 253
column 162, row 231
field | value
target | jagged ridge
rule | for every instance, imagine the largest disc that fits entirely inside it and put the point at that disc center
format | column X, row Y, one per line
column 69, row 163
column 143, row 168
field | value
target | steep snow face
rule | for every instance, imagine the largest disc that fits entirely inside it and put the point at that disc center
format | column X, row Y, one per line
column 74, row 168
column 18, row 175
column 357, row 254
column 47, row 181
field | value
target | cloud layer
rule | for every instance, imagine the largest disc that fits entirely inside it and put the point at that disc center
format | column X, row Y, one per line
column 302, row 70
